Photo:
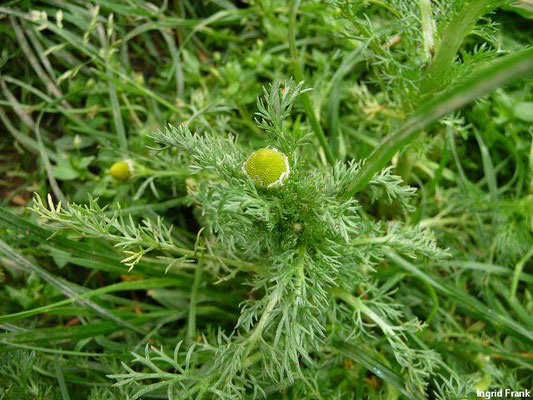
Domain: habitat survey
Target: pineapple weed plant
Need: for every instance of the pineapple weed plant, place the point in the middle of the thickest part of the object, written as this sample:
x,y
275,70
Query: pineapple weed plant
x,y
247,236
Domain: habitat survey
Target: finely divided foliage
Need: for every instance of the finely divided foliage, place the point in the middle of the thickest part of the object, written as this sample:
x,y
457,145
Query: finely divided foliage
x,y
303,237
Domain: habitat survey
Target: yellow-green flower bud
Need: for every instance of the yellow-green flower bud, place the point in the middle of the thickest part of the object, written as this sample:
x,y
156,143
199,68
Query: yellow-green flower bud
x,y
267,167
122,170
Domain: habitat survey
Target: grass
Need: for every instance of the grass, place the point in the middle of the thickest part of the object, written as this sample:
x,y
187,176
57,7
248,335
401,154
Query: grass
x,y
395,262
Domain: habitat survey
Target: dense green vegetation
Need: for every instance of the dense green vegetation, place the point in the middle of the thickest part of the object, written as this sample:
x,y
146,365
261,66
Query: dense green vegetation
x,y
383,251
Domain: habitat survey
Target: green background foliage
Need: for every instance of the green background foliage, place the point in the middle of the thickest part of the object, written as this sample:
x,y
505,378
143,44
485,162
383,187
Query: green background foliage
x,y
395,262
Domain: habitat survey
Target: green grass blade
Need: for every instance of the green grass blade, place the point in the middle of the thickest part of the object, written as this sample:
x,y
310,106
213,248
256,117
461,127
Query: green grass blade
x,y
61,379
65,287
466,301
298,74
382,371
144,284
507,69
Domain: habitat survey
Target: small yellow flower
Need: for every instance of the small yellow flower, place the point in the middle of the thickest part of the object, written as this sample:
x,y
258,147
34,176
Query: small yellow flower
x,y
122,170
267,167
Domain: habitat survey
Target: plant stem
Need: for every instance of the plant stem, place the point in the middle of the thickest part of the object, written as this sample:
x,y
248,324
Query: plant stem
x,y
461,24
274,299
505,70
434,308
258,331
306,100
428,27
371,240
358,305
191,322
161,174
244,265
517,270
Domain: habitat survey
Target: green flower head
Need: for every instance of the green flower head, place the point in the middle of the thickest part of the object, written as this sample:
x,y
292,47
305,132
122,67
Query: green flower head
x,y
122,170
267,167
